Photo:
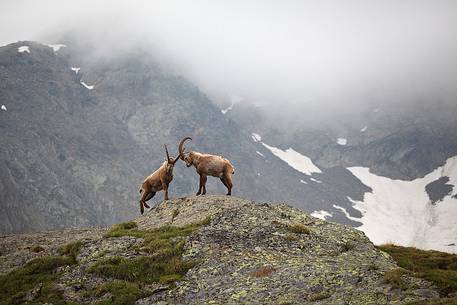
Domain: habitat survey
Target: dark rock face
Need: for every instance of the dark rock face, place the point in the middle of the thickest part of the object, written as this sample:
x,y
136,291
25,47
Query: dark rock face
x,y
75,157
256,253
438,189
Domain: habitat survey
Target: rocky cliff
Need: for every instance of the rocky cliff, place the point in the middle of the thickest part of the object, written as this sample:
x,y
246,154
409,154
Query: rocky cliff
x,y
206,250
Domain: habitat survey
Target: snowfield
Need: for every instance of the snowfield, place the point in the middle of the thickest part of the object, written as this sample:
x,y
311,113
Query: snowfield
x,y
400,212
295,160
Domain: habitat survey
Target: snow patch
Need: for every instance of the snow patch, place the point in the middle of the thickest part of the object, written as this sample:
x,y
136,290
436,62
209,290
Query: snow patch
x,y
341,141
364,129
401,212
4,108
256,137
23,49
87,86
76,69
303,181
321,214
295,160
56,47
260,154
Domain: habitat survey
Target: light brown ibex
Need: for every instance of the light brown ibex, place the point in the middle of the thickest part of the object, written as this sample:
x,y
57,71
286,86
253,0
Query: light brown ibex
x,y
208,165
157,181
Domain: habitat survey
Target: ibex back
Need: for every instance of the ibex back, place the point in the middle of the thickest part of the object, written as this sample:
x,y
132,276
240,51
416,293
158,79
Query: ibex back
x,y
208,165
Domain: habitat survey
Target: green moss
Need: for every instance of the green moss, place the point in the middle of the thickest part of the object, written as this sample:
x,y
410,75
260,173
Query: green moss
x,y
71,249
435,266
298,228
38,274
122,293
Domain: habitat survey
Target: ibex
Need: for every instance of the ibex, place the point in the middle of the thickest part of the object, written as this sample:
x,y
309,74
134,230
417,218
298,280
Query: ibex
x,y
208,165
157,181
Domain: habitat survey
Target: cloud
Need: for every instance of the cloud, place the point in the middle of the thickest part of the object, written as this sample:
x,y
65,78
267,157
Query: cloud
x,y
333,54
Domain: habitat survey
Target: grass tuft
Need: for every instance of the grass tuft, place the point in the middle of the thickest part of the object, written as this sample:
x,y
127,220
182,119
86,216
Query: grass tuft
x,y
121,293
164,264
435,266
39,274
394,278
71,249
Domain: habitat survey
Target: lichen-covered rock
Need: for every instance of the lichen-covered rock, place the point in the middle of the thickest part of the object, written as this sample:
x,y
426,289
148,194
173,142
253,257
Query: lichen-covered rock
x,y
248,253
329,264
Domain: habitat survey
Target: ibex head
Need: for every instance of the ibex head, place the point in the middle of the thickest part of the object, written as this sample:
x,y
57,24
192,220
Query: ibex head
x,y
170,162
186,157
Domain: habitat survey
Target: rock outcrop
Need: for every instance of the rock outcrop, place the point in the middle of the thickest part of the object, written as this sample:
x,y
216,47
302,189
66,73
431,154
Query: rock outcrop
x,y
231,251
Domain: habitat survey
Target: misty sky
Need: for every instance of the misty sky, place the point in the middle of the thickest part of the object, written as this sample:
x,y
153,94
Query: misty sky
x,y
321,52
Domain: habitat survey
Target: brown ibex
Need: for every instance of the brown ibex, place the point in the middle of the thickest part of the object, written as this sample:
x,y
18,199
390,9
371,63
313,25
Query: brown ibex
x,y
157,181
208,165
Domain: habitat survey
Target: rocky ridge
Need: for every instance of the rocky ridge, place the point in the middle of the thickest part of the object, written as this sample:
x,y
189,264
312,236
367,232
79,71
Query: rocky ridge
x,y
240,252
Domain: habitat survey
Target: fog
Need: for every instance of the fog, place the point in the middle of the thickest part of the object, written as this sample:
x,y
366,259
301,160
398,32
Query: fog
x,y
331,54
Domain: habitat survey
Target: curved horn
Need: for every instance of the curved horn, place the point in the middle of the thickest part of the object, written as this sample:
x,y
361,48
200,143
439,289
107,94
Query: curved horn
x,y
181,147
166,150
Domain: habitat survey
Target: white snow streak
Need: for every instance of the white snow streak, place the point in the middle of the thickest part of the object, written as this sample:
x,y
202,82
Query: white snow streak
x,y
4,108
259,153
321,214
23,49
341,141
364,129
87,86
303,181
401,212
345,213
315,180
